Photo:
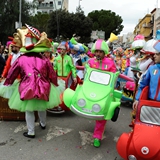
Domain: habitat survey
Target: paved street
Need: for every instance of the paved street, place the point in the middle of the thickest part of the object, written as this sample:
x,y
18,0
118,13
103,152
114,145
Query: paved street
x,y
67,137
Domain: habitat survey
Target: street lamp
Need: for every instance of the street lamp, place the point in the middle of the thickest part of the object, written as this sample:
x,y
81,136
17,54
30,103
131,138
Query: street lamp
x,y
20,11
62,3
58,19
79,4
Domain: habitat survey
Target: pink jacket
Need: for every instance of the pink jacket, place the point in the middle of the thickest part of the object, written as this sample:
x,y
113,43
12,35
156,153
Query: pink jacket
x,y
36,74
106,64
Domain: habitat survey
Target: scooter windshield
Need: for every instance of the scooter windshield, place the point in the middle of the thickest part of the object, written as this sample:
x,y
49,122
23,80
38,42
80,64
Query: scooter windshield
x,y
100,77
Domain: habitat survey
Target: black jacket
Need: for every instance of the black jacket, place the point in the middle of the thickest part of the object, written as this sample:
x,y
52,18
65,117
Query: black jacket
x,y
2,64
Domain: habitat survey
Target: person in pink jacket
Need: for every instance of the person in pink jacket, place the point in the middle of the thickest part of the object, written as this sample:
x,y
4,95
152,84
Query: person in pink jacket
x,y
100,61
38,87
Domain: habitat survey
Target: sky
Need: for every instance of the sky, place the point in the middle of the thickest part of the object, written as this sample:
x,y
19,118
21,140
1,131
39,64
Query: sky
x,y
129,10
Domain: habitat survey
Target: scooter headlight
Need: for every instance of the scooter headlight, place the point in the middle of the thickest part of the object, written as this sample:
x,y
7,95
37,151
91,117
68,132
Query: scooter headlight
x,y
132,157
96,108
81,102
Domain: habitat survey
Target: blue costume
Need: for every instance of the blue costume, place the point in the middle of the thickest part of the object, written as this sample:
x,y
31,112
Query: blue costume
x,y
151,79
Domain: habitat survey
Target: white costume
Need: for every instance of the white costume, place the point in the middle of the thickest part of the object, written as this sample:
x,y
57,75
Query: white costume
x,y
133,64
146,62
80,73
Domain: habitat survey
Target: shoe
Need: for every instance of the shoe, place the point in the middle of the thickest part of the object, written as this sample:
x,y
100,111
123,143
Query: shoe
x,y
57,110
27,135
96,143
43,127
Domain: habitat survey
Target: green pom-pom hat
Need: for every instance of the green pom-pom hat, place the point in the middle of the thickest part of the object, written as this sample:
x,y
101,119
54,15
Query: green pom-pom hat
x,y
100,45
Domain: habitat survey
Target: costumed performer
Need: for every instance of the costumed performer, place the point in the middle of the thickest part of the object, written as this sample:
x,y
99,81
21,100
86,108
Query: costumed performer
x,y
100,61
15,46
75,51
38,87
2,64
63,65
48,54
151,79
146,58
134,53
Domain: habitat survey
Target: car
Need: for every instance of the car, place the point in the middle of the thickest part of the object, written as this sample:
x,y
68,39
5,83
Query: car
x,y
142,143
97,97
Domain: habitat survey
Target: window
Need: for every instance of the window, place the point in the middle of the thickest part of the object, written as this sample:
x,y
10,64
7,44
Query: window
x,y
51,4
150,115
59,3
98,77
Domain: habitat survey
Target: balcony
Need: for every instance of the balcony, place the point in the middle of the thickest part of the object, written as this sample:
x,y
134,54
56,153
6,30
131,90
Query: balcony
x,y
45,6
149,36
149,25
151,22
137,30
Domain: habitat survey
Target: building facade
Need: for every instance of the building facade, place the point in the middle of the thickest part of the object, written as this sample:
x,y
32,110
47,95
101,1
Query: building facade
x,y
48,6
97,34
156,20
145,27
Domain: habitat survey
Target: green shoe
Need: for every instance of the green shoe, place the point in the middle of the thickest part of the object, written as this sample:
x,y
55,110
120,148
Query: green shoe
x,y
96,143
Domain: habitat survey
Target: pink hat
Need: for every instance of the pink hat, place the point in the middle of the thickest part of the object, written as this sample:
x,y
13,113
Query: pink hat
x,y
8,43
130,86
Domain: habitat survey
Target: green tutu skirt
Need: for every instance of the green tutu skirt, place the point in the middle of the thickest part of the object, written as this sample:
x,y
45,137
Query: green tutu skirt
x,y
7,91
36,104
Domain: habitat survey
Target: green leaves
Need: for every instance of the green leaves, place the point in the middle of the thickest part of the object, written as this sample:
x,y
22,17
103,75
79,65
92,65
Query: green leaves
x,y
107,21
69,24
9,14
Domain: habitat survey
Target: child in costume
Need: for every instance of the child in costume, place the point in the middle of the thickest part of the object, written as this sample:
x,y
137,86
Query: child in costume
x,y
151,79
141,142
100,49
38,88
75,53
118,54
127,63
147,57
78,53
63,65
145,60
134,53
119,61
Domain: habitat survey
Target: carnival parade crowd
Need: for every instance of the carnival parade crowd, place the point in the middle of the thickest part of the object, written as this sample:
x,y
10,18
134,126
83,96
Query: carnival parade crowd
x,y
34,71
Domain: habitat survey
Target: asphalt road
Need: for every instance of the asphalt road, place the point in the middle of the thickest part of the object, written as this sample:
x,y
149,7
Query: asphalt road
x,y
66,137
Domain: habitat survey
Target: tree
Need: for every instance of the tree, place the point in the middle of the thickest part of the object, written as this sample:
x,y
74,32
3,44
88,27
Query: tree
x,y
9,14
66,24
83,26
107,21
40,21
